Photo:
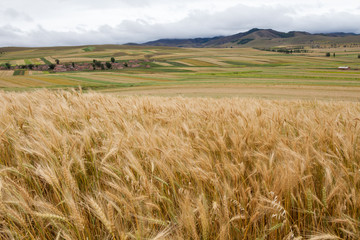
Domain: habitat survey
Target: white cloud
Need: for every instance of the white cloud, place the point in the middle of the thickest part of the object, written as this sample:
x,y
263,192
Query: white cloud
x,y
67,22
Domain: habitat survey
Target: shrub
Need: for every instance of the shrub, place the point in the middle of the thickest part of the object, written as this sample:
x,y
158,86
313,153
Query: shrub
x,y
108,65
98,64
327,54
112,60
52,66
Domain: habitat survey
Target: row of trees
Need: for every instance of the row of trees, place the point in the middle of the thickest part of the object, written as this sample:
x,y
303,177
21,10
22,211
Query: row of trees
x,y
95,64
108,65
329,54
98,64
285,50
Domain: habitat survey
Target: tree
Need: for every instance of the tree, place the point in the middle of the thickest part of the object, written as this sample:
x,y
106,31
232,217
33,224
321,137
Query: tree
x,y
112,60
125,64
8,65
102,66
30,66
52,66
97,64
57,61
333,54
108,65
328,54
358,55
73,64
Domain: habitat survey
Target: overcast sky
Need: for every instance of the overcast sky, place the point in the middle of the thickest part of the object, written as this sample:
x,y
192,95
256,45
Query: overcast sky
x,y
85,22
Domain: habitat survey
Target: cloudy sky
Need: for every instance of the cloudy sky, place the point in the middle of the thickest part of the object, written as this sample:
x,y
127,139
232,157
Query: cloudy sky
x,y
84,22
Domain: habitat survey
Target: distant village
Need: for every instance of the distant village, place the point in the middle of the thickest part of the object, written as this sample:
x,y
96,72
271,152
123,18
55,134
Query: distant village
x,y
85,66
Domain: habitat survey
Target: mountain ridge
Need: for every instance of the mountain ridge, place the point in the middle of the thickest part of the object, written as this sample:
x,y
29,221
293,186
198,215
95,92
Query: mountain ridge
x,y
258,38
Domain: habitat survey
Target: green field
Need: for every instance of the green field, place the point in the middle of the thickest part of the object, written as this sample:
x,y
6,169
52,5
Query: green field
x,y
195,72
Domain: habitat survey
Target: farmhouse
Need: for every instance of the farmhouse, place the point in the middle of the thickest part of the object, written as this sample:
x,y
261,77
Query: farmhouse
x,y
60,68
344,68
117,65
41,67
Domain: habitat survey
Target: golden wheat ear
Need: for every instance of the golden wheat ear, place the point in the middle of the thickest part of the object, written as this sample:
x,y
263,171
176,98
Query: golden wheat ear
x,y
76,165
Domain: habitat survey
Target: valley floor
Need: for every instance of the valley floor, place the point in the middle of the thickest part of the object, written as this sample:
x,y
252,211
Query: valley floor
x,y
243,72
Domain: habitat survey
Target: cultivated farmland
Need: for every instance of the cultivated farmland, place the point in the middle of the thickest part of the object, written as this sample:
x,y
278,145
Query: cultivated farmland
x,y
220,144
96,166
198,72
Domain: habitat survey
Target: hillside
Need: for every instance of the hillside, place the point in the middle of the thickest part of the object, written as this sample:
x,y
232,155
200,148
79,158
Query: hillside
x,y
261,38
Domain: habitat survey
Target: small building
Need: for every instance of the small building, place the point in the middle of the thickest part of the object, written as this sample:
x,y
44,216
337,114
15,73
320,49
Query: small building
x,y
344,68
60,68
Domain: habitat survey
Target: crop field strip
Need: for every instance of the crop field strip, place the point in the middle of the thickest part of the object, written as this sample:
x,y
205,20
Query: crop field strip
x,y
195,66
196,62
37,61
6,73
190,168
245,90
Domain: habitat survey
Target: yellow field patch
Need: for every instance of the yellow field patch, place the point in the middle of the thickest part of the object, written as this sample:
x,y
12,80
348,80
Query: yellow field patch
x,y
197,62
163,64
244,59
19,81
170,56
5,83
29,79
113,78
54,80
50,59
76,59
6,73
214,61
36,61
184,63
17,62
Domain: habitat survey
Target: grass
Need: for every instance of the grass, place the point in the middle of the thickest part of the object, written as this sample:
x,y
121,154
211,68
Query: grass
x,y
19,72
45,61
89,49
90,165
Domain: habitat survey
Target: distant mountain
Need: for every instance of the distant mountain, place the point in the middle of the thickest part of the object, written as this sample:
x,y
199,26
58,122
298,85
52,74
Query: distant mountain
x,y
259,38
193,42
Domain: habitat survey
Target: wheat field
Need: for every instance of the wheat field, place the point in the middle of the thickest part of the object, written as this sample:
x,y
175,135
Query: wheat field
x,y
79,165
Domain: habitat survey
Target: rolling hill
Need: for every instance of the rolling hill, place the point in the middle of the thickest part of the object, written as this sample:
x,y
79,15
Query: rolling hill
x,y
262,38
